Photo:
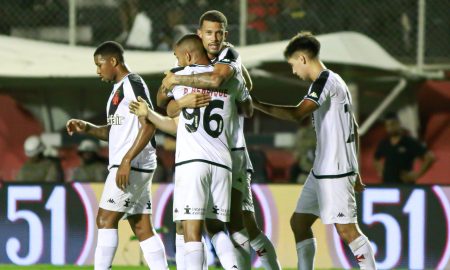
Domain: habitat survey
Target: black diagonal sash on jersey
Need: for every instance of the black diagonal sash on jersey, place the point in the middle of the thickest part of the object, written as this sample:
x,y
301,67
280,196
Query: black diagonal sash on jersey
x,y
115,101
318,86
139,91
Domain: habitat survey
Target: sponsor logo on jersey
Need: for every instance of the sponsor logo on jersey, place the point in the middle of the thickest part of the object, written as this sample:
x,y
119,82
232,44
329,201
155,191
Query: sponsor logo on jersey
x,y
115,120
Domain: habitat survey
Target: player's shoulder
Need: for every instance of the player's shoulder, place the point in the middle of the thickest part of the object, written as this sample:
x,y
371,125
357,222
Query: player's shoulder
x,y
177,70
228,54
135,78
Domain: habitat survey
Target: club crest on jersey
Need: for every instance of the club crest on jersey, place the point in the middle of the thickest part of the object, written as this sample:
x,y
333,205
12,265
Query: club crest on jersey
x,y
115,120
116,98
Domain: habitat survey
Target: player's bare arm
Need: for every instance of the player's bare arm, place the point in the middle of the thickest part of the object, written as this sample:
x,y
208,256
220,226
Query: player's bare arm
x,y
246,107
290,113
84,127
191,100
359,185
146,132
247,78
166,124
161,97
208,80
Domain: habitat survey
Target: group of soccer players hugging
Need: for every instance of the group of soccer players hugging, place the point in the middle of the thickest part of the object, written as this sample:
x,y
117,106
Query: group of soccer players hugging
x,y
206,98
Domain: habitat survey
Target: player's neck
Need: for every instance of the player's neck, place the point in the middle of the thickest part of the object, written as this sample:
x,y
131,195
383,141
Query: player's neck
x,y
122,73
316,68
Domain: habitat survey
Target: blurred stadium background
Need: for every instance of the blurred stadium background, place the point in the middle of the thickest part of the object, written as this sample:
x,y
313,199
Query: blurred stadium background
x,y
394,55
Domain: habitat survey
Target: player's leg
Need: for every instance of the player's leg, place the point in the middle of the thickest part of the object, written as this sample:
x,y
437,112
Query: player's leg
x,y
193,246
151,245
306,213
191,193
257,239
338,206
139,218
107,238
238,233
179,245
108,216
218,213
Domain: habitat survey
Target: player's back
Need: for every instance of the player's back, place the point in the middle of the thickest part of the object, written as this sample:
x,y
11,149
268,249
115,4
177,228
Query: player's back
x,y
334,125
205,134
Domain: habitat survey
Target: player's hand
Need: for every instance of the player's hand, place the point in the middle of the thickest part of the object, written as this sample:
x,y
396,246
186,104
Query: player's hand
x,y
169,81
139,107
122,176
359,185
409,177
194,100
76,126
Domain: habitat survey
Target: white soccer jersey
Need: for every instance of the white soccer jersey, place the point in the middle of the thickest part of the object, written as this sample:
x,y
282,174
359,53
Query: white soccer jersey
x,y
230,56
334,125
205,134
125,125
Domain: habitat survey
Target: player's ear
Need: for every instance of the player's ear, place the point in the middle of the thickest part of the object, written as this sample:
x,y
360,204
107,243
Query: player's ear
x,y
225,35
199,33
188,56
114,61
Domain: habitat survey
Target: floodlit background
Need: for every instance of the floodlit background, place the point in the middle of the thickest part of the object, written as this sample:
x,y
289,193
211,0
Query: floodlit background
x,y
394,56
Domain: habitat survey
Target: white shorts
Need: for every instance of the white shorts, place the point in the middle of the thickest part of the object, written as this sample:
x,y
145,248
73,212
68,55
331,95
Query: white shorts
x,y
136,199
331,199
202,190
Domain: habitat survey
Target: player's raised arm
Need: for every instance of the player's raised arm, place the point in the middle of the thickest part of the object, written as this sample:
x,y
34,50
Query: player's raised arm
x,y
291,113
84,127
191,100
166,124
209,80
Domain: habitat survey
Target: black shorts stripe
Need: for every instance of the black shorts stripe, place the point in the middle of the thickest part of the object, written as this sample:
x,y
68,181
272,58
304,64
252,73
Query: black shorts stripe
x,y
332,175
134,169
204,161
238,149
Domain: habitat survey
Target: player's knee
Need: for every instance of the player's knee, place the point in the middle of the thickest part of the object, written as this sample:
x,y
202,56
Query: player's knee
x,y
143,232
347,232
214,226
106,222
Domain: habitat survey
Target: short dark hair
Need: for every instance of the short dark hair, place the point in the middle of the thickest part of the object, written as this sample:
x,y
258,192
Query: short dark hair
x,y
303,41
189,37
111,48
213,16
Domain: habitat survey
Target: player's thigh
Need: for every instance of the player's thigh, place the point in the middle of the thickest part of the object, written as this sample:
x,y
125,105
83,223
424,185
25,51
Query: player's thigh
x,y
337,200
134,199
192,190
308,202
220,194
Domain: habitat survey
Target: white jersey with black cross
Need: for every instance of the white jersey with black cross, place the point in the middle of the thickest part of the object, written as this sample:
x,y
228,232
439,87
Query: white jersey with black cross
x,y
205,134
125,125
334,124
229,56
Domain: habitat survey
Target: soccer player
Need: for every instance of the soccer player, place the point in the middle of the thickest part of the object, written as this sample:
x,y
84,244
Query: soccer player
x,y
132,160
329,191
228,71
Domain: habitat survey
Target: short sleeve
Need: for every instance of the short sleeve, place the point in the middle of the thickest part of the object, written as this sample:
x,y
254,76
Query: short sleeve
x,y
317,91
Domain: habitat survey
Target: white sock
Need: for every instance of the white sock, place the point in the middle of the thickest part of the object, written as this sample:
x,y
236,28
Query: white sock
x,y
306,252
179,251
194,255
265,251
363,252
205,254
241,244
224,250
106,248
154,253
